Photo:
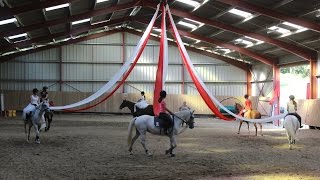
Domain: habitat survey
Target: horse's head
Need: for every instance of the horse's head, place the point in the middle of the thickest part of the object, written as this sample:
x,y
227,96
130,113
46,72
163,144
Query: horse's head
x,y
123,104
187,116
191,120
238,107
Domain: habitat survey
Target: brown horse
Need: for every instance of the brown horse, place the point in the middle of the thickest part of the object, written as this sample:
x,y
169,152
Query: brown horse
x,y
250,114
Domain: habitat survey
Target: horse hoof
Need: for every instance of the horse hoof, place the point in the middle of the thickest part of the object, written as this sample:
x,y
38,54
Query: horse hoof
x,y
131,153
167,152
173,155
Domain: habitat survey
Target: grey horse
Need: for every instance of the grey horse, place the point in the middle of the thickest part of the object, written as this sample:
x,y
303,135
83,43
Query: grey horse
x,y
35,120
145,123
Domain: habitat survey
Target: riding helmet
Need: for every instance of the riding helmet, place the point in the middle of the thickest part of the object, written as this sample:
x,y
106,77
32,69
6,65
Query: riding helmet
x,y
163,93
142,92
291,97
45,87
35,90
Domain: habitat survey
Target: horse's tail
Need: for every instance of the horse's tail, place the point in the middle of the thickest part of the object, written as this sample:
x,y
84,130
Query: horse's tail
x,y
130,128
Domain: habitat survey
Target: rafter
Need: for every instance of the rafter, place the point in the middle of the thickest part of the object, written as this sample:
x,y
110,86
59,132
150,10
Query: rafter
x,y
238,64
73,41
273,14
70,32
6,12
259,57
305,53
69,19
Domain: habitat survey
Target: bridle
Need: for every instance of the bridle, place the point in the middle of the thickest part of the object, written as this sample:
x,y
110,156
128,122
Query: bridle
x,y
183,120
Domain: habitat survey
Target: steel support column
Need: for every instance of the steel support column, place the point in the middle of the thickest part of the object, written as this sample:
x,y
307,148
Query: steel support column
x,y
313,80
276,92
249,85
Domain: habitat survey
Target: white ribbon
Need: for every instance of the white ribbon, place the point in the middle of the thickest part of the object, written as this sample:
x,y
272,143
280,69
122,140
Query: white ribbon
x,y
184,51
119,74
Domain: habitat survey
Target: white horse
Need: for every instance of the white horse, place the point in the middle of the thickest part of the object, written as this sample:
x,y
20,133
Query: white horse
x,y
291,124
35,121
145,123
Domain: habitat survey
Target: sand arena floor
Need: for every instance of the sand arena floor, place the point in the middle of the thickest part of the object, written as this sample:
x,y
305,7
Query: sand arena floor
x,y
91,146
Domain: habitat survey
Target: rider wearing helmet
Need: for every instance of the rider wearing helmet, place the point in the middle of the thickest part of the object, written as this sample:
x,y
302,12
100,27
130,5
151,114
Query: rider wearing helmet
x,y
163,111
292,108
44,94
34,101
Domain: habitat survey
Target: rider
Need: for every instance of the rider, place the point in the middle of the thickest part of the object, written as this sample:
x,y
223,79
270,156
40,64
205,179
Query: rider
x,y
34,101
184,106
141,103
247,105
44,98
292,108
163,111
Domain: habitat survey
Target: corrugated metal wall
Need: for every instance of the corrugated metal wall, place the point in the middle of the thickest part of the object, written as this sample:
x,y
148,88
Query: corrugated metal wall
x,y
263,80
86,66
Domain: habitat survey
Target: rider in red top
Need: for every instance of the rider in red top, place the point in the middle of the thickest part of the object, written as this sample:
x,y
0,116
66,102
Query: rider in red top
x,y
163,111
247,104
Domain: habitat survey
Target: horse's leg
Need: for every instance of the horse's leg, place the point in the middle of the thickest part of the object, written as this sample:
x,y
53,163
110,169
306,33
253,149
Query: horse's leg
x,y
25,129
30,125
173,145
255,125
261,129
248,126
241,121
133,140
143,142
37,133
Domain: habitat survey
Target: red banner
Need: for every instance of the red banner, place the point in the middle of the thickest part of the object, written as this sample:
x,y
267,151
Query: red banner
x,y
158,86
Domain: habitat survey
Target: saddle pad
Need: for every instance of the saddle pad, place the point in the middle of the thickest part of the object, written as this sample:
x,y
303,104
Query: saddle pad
x,y
157,122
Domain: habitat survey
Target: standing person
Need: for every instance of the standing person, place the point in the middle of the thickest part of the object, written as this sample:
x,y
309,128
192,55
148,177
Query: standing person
x,y
34,102
141,103
292,108
163,111
184,106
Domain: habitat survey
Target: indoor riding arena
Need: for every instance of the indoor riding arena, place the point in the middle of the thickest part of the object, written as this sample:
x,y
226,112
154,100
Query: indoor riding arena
x,y
159,89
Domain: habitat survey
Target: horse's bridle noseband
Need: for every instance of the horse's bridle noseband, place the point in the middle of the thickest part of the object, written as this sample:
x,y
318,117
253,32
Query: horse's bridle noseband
x,y
183,120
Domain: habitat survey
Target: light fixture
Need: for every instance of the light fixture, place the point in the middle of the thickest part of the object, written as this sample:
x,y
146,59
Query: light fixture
x,y
57,7
192,26
240,13
7,21
318,13
99,1
135,11
292,25
197,40
17,36
190,2
80,21
279,29
157,29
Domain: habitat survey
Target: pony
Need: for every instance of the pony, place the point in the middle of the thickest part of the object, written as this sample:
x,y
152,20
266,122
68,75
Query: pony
x,y
250,114
291,124
146,111
35,120
146,123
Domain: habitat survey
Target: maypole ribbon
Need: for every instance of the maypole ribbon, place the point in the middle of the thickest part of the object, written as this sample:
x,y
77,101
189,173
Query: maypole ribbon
x,y
204,92
133,59
162,63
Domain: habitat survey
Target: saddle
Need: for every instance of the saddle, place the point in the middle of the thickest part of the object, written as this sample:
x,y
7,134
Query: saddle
x,y
162,124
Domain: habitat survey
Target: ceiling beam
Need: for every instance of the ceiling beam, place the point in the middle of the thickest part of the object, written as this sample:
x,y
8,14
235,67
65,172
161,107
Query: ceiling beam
x,y
304,53
72,41
236,63
7,13
262,58
273,14
67,33
72,18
